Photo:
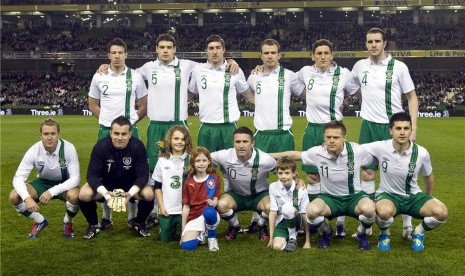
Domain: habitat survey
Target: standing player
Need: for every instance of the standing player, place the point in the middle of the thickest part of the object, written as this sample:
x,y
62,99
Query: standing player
x,y
339,162
217,89
168,78
117,162
118,92
246,169
273,87
286,202
57,164
401,160
115,94
169,176
383,81
199,199
324,85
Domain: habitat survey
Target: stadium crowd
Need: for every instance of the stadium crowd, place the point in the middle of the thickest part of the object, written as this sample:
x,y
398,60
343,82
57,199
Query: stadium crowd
x,y
66,90
240,37
69,89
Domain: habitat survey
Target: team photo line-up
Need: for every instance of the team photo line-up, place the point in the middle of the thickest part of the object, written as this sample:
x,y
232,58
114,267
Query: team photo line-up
x,y
169,182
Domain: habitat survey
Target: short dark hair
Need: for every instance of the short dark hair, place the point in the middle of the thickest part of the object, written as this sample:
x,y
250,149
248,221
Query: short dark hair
x,y
335,125
285,163
377,31
270,42
322,42
165,37
50,122
117,42
214,38
244,130
121,121
400,117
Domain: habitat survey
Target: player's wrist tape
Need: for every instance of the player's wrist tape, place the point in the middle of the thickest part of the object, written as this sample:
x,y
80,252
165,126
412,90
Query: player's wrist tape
x,y
134,190
102,190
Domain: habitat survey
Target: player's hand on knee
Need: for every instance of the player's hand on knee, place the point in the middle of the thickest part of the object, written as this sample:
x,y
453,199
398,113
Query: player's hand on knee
x,y
45,197
31,205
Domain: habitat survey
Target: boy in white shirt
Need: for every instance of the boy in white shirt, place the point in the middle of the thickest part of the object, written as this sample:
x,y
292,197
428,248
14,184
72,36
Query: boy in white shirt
x,y
286,202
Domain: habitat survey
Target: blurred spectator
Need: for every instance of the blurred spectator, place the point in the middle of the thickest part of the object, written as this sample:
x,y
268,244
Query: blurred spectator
x,y
65,90
37,37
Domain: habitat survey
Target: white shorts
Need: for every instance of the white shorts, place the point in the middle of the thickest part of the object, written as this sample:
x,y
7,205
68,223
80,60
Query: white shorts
x,y
198,224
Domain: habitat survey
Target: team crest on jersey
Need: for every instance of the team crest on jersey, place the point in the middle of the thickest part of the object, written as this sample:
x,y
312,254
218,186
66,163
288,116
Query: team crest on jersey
x,y
295,201
281,81
40,163
254,174
411,167
335,81
385,159
211,183
128,82
350,166
62,162
127,162
177,73
389,74
324,163
227,77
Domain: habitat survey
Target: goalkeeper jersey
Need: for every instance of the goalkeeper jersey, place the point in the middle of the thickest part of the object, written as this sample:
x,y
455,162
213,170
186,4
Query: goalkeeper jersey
x,y
118,168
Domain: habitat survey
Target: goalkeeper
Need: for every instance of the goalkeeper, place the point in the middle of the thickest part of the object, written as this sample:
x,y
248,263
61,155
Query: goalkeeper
x,y
117,173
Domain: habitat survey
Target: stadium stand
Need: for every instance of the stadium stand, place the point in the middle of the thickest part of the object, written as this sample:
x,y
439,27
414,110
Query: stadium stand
x,y
293,37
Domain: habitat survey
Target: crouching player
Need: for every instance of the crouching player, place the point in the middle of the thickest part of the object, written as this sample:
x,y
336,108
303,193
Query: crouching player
x,y
57,164
286,202
118,161
341,194
199,198
401,161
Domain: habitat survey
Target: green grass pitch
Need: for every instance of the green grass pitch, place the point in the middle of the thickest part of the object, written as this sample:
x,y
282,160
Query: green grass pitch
x,y
120,252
